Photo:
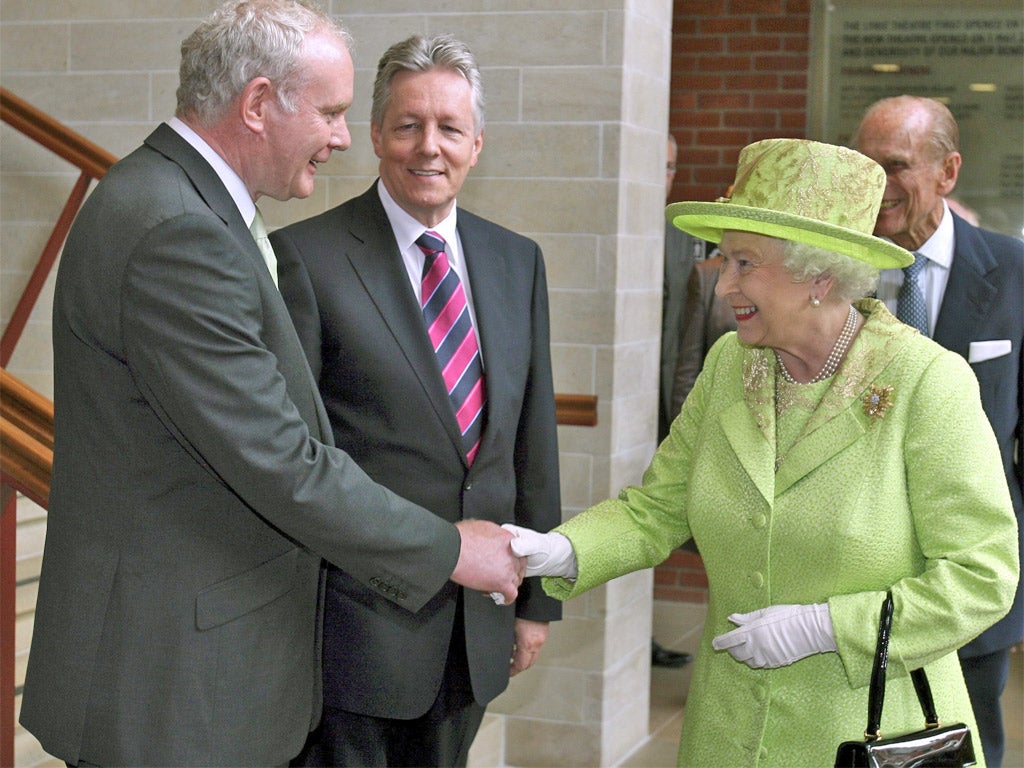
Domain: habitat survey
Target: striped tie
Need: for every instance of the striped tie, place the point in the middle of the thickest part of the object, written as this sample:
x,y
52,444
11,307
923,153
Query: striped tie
x,y
451,332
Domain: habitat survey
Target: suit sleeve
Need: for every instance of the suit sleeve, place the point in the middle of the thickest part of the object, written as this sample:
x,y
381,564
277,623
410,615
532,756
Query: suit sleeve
x,y
538,499
197,346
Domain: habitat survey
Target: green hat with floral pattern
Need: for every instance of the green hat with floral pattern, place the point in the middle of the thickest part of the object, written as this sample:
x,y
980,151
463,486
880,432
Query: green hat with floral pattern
x,y
801,190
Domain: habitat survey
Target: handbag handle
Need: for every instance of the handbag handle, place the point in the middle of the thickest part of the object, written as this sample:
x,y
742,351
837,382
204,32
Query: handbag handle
x,y
876,691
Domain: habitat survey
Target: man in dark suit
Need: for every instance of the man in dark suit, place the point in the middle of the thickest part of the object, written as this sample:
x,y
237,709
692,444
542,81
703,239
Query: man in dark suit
x,y
706,318
194,487
400,688
972,284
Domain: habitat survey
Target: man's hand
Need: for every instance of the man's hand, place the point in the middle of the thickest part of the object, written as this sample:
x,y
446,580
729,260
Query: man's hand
x,y
530,636
486,562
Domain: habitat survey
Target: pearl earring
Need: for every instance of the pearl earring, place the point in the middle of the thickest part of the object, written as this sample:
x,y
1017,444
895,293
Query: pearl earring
x,y
815,301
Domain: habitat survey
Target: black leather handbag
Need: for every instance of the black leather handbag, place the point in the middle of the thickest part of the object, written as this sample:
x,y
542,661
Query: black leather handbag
x,y
949,746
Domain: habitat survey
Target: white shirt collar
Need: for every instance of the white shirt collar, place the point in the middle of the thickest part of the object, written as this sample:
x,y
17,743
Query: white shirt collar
x,y
939,247
407,228
231,180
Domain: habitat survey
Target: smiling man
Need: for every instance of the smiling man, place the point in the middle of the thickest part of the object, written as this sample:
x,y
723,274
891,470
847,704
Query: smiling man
x,y
972,284
427,327
195,485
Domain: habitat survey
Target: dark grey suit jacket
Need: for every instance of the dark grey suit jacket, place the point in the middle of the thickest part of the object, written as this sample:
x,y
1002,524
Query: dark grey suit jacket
x,y
348,290
680,253
705,318
194,491
984,301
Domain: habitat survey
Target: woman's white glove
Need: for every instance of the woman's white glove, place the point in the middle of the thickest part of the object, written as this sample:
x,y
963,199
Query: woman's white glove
x,y
778,635
547,554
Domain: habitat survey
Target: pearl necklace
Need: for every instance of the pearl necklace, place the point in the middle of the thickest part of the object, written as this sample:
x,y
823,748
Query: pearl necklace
x,y
835,357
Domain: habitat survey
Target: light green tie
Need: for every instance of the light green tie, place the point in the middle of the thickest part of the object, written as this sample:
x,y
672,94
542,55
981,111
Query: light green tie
x,y
259,233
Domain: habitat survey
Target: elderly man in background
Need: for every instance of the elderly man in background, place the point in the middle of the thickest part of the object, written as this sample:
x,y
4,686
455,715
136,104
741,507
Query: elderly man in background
x,y
966,291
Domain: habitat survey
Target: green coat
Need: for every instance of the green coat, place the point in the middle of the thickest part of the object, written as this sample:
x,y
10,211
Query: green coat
x,y
912,498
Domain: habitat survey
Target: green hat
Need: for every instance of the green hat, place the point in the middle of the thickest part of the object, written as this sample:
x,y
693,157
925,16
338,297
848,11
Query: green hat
x,y
800,190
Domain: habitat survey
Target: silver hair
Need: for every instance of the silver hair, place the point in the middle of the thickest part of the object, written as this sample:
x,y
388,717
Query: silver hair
x,y
852,279
244,39
422,54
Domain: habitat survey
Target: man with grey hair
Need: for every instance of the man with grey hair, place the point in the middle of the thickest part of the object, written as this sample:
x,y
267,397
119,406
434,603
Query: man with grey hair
x,y
427,328
195,485
968,283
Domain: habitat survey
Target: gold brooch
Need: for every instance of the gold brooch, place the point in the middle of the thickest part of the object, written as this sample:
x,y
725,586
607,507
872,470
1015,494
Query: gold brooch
x,y
877,401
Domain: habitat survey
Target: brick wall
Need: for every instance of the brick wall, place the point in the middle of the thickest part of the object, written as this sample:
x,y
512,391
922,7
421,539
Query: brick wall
x,y
739,74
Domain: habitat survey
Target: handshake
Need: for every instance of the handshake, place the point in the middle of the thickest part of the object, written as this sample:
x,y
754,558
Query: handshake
x,y
496,560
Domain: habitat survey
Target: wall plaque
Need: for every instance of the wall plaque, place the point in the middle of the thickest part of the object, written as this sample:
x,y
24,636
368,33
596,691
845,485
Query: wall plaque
x,y
970,56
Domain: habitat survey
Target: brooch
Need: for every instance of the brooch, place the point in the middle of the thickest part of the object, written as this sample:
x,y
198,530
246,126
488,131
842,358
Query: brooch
x,y
877,401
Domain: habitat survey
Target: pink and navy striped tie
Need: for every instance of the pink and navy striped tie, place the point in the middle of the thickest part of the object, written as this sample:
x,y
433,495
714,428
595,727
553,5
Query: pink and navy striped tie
x,y
451,332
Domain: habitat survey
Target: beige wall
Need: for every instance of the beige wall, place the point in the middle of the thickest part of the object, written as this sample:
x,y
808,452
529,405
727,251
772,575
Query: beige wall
x,y
573,157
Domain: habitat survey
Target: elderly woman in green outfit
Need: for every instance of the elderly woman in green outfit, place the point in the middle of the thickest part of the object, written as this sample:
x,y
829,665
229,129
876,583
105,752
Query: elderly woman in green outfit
x,y
827,454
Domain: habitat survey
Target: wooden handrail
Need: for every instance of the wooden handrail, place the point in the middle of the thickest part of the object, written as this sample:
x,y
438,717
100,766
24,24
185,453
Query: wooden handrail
x,y
26,434
576,410
93,163
26,409
56,137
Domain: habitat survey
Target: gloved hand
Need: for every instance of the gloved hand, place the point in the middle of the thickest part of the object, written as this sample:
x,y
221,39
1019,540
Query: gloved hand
x,y
547,554
778,635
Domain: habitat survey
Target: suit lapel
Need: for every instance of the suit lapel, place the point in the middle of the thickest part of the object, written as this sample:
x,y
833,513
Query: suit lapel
x,y
374,257
207,183
211,189
969,292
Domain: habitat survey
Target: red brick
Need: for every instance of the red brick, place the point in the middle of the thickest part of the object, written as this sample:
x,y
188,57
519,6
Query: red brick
x,y
754,81
795,82
792,122
697,156
778,62
726,26
751,119
722,138
699,7
667,577
772,134
714,177
756,7
723,100
724,64
684,138
683,100
699,44
693,83
751,43
798,8
694,579
684,25
775,25
682,62
704,191
699,118
782,100
801,44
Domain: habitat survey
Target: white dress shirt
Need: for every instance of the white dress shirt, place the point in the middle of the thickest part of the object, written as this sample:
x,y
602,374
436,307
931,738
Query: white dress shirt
x,y
938,249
